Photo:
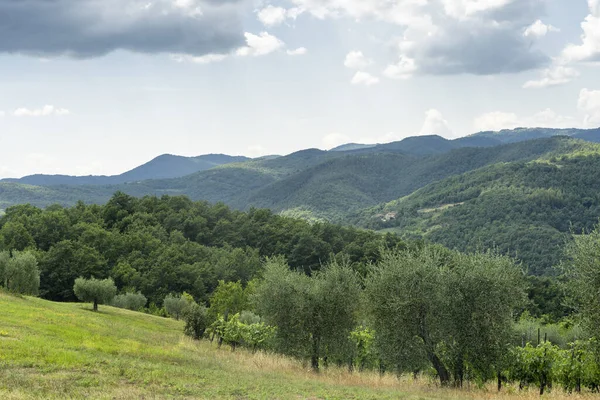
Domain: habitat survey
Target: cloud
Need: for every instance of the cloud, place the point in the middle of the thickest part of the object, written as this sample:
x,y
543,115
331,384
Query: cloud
x,y
442,37
557,75
256,150
273,16
589,49
259,45
589,102
45,111
403,69
205,59
497,120
297,52
335,139
2,114
364,78
435,124
356,60
539,29
92,28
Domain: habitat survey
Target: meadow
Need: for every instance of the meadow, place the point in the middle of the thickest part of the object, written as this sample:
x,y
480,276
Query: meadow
x,y
65,351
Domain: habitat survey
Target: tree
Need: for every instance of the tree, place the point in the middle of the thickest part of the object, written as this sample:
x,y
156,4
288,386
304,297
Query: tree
x,y
130,301
20,273
196,321
582,267
228,298
176,306
446,309
95,291
313,315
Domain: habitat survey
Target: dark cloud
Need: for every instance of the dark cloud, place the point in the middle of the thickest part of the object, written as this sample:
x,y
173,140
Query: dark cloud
x,y
485,50
91,28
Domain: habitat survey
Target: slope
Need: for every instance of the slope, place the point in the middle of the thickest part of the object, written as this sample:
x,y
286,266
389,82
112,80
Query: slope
x,y
339,186
62,350
523,208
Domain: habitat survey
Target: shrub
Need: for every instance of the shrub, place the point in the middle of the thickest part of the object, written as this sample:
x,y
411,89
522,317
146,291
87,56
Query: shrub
x,y
176,306
20,273
196,321
130,301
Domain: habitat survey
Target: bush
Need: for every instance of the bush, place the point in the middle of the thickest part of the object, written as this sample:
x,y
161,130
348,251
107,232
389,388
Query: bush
x,y
20,273
95,291
130,301
196,321
176,306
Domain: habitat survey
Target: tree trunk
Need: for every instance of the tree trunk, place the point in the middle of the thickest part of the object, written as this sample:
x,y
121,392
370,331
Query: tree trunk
x,y
95,305
499,380
314,359
440,368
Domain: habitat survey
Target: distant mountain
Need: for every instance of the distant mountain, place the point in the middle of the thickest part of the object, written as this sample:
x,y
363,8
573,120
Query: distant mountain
x,y
162,167
485,190
521,134
353,146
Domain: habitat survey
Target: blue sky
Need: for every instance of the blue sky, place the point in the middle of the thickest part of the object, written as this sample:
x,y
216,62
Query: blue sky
x,y
99,87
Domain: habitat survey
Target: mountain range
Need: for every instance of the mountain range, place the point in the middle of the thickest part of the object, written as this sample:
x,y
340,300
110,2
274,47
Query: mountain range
x,y
520,190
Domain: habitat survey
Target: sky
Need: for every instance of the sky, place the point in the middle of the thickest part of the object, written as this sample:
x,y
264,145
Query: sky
x,y
101,86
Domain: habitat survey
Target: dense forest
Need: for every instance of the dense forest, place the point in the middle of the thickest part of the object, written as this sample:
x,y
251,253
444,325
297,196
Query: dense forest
x,y
173,245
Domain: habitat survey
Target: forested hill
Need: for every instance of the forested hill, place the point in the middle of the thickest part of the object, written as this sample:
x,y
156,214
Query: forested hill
x,y
525,208
173,245
522,197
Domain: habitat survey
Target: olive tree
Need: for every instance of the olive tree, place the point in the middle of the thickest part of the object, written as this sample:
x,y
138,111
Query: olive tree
x,y
95,291
313,315
130,301
582,267
176,306
20,273
441,308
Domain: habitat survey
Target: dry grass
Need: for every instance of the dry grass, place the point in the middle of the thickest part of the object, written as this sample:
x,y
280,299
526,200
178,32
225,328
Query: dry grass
x,y
64,351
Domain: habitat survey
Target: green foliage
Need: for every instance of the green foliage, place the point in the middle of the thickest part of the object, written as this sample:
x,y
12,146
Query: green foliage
x,y
196,320
95,291
228,298
443,309
130,301
158,246
313,315
364,351
176,306
19,273
535,365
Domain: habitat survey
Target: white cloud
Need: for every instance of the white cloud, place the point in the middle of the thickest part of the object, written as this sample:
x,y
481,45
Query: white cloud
x,y
205,59
589,49
356,60
557,75
297,52
2,114
466,8
364,78
589,102
45,111
539,29
497,120
271,16
335,139
403,69
259,45
435,124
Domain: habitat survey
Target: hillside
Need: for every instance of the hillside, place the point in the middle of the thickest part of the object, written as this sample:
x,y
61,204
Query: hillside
x,y
524,208
162,167
63,350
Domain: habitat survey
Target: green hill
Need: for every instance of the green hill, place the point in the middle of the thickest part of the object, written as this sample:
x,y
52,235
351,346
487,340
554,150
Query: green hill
x,y
525,208
64,350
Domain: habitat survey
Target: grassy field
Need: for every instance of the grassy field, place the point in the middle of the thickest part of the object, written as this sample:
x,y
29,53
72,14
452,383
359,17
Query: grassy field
x,y
66,351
